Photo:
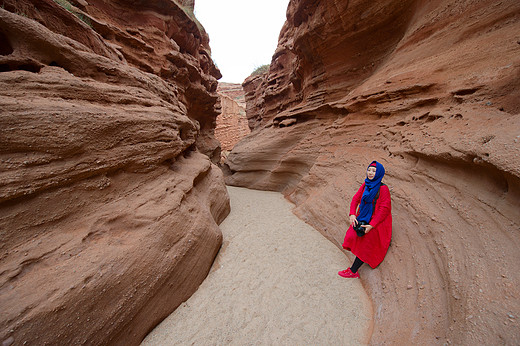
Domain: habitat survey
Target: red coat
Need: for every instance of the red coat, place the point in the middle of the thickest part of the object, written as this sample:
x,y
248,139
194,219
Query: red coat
x,y
372,247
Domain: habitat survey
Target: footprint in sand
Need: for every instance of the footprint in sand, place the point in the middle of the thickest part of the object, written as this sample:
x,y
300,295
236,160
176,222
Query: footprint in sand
x,y
274,282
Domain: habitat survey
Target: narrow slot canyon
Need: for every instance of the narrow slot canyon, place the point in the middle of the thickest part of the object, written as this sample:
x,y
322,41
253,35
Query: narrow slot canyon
x,y
125,154
264,290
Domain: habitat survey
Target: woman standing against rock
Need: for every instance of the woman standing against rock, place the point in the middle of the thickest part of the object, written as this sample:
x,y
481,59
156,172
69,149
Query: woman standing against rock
x,y
370,231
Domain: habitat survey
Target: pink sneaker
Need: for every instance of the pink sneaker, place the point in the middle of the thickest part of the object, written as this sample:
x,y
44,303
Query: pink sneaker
x,y
347,273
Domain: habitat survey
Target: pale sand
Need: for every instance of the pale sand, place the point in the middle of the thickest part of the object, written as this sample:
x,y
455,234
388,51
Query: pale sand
x,y
274,282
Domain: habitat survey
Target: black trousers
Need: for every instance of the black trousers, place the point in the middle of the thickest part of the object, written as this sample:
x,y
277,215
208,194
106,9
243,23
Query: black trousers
x,y
355,266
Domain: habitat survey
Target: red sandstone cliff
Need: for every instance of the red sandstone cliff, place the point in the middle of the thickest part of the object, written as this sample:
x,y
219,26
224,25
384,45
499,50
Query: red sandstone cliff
x,y
431,90
108,207
232,123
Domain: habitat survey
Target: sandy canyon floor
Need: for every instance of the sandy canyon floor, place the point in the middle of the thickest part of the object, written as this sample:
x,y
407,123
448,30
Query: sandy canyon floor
x,y
274,281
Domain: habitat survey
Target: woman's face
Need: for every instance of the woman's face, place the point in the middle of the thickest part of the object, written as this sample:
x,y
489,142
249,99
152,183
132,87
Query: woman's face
x,y
371,172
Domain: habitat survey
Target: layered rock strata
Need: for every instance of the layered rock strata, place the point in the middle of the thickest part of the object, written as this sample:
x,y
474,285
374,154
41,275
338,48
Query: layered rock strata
x,y
431,90
110,198
232,123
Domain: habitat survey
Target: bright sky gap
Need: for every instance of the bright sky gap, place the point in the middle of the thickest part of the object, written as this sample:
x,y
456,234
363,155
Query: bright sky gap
x,y
243,33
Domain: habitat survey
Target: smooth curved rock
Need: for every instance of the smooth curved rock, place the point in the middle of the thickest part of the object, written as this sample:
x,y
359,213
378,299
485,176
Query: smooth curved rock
x,y
109,209
431,90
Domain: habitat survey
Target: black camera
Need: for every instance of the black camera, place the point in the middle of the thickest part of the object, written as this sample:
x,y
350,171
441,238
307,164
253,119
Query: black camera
x,y
360,231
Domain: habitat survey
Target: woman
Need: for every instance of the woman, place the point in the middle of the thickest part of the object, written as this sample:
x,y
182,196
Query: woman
x,y
371,245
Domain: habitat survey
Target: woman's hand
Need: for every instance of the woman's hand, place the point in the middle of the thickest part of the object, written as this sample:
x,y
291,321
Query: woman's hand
x,y
353,220
367,228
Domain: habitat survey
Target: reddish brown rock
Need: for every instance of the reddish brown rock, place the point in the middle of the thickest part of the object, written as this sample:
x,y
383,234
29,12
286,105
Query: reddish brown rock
x,y
431,90
109,209
232,121
190,4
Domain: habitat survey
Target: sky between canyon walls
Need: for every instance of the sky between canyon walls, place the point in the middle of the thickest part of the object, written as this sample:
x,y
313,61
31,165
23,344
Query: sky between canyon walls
x,y
243,33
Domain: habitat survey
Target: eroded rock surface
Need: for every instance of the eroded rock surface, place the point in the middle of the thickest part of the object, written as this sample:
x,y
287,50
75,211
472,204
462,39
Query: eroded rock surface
x,y
109,195
432,91
232,123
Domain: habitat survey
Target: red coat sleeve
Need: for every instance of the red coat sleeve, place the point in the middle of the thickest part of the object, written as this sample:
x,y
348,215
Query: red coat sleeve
x,y
356,200
383,206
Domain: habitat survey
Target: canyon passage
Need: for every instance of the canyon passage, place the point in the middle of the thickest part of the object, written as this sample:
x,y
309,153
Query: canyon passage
x,y
273,282
113,185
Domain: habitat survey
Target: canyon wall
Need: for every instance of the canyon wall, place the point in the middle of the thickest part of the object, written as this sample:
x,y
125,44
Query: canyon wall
x,y
431,89
232,123
110,198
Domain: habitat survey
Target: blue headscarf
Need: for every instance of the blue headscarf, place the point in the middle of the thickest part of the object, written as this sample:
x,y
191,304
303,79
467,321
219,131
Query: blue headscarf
x,y
370,192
